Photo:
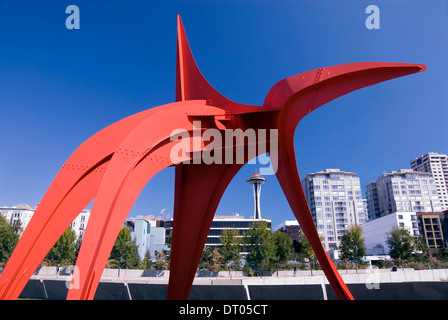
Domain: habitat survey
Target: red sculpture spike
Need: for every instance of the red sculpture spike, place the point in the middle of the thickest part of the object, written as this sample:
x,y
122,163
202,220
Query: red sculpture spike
x,y
190,83
115,164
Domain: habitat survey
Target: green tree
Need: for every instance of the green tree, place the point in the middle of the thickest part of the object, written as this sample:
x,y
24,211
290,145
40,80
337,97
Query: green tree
x,y
352,245
147,263
125,251
421,246
161,262
261,244
284,249
231,248
64,250
306,251
9,237
168,241
211,260
401,244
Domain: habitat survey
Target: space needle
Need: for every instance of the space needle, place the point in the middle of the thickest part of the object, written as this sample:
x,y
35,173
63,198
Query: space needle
x,y
256,181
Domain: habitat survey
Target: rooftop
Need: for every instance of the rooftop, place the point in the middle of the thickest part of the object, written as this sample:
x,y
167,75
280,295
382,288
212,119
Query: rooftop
x,y
331,171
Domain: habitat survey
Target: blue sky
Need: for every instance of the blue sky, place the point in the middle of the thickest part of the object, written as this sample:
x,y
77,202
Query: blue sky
x,y
58,86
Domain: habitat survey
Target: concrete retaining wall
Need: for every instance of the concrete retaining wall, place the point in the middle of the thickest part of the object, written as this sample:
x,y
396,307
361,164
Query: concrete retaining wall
x,y
370,284
423,290
385,275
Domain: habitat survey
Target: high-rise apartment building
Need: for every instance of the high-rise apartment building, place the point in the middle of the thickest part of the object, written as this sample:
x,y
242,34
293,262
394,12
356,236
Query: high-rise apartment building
x,y
437,164
402,191
335,200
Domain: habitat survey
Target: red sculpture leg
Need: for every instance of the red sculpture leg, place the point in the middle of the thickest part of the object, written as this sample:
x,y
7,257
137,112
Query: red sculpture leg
x,y
40,236
289,180
299,96
148,146
71,191
198,191
102,230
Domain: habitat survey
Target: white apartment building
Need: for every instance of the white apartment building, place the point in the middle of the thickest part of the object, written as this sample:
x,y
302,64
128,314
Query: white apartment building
x,y
375,231
21,213
402,191
335,200
437,165
24,213
79,225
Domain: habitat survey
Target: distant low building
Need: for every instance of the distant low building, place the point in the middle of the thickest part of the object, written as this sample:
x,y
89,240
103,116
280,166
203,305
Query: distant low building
x,y
375,231
219,224
147,235
292,229
434,229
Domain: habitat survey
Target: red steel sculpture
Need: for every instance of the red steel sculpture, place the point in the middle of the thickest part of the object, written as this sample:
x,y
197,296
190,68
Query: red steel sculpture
x,y
113,166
